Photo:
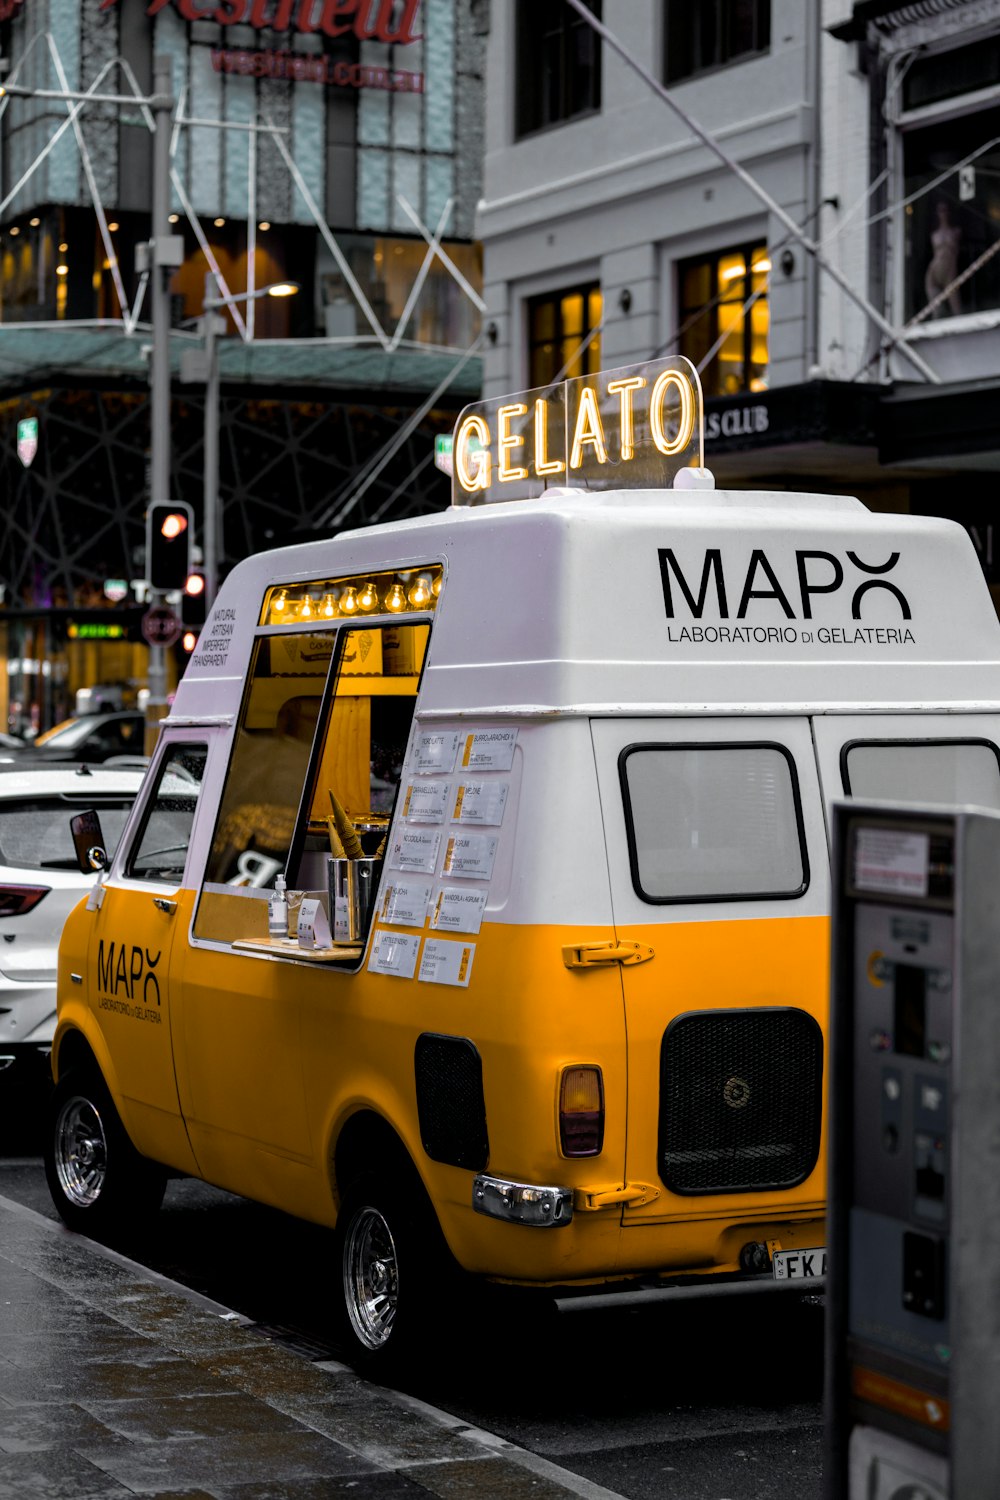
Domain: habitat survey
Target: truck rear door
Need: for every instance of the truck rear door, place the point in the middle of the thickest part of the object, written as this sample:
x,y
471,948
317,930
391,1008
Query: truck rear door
x,y
921,758
718,863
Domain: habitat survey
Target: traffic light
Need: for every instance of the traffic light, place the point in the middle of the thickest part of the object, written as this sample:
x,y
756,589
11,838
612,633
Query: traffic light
x,y
193,604
169,528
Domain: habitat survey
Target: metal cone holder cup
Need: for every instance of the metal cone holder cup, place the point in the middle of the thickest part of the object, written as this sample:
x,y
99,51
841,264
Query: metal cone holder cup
x,y
353,883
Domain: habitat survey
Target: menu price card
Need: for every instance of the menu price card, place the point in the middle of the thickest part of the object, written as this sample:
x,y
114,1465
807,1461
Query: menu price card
x,y
405,902
458,910
415,850
470,855
446,963
394,953
435,751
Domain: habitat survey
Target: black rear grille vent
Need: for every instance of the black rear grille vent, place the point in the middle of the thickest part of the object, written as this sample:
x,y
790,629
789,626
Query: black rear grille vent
x,y
740,1100
450,1103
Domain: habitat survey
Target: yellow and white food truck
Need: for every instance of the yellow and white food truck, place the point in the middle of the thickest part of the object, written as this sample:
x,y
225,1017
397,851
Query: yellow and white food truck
x,y
547,780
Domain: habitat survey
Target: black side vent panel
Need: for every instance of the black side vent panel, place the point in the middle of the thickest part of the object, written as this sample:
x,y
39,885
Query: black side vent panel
x,y
740,1100
450,1103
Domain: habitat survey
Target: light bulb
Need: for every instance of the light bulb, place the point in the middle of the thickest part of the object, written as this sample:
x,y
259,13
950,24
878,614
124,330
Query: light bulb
x,y
349,601
436,585
306,608
329,606
420,593
395,599
368,597
278,606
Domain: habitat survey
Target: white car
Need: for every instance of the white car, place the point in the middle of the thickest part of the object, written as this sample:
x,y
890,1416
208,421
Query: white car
x,y
40,883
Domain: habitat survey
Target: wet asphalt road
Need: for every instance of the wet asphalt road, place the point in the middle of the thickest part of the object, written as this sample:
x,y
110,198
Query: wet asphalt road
x,y
694,1401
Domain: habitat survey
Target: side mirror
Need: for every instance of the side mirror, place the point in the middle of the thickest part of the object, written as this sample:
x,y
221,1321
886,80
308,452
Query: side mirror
x,y
88,842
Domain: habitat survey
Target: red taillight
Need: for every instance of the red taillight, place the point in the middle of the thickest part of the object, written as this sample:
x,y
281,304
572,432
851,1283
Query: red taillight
x,y
15,900
581,1112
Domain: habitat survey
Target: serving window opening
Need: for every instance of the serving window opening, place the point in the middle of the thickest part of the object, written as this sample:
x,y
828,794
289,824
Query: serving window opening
x,y
313,776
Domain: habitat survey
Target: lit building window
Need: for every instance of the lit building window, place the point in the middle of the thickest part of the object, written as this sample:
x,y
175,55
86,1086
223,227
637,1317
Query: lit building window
x,y
719,332
711,33
564,341
558,64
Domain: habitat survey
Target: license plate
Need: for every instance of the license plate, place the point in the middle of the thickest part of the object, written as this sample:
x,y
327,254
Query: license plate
x,y
799,1265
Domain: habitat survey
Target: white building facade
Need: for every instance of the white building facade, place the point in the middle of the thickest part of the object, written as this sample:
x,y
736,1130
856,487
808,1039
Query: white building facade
x,y
798,281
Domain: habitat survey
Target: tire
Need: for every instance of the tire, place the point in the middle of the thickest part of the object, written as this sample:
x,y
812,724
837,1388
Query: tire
x,y
395,1270
99,1183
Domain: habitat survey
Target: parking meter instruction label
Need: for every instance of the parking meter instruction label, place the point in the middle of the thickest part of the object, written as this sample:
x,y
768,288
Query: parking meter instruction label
x,y
435,752
891,862
446,963
480,802
415,850
405,902
426,801
458,910
470,855
394,953
489,750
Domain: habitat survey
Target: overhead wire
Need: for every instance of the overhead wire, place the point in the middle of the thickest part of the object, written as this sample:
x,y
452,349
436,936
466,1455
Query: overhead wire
x,y
749,181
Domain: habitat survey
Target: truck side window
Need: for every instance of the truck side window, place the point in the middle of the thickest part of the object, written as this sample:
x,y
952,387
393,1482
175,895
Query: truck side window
x,y
315,766
160,851
713,822
952,771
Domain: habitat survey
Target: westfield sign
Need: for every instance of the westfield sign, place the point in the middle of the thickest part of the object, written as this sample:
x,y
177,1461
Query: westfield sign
x,y
369,20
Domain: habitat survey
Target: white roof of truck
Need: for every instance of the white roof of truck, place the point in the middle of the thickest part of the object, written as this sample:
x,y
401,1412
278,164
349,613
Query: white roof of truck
x,y
643,601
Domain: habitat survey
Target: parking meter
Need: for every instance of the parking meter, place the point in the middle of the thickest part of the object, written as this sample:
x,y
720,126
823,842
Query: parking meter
x,y
913,1284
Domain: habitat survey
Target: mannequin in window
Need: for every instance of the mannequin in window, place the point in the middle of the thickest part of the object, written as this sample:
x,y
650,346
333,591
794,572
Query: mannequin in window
x,y
943,267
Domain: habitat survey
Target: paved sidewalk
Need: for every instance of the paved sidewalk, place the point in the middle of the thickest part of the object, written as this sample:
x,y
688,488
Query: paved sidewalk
x,y
116,1382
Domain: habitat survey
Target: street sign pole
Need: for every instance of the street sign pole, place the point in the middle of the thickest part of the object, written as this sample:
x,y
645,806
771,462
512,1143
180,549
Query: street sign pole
x,y
159,368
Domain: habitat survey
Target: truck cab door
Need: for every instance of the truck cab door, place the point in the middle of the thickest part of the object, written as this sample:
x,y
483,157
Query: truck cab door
x,y
143,904
720,885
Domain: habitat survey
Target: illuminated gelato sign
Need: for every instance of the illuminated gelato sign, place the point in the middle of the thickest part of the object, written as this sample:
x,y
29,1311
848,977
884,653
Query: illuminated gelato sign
x,y
629,428
368,20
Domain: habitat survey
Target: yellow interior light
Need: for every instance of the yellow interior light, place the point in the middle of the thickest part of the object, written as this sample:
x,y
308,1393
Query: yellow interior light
x,y
436,583
324,601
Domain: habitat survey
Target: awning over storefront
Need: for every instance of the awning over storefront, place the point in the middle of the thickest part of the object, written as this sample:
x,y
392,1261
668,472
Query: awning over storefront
x,y
824,428
34,354
954,426
852,434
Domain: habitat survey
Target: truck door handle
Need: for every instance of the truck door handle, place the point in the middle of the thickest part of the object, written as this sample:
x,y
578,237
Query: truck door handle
x,y
632,1195
163,904
591,955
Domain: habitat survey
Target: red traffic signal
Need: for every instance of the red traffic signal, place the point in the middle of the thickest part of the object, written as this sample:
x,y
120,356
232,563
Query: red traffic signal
x,y
169,528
